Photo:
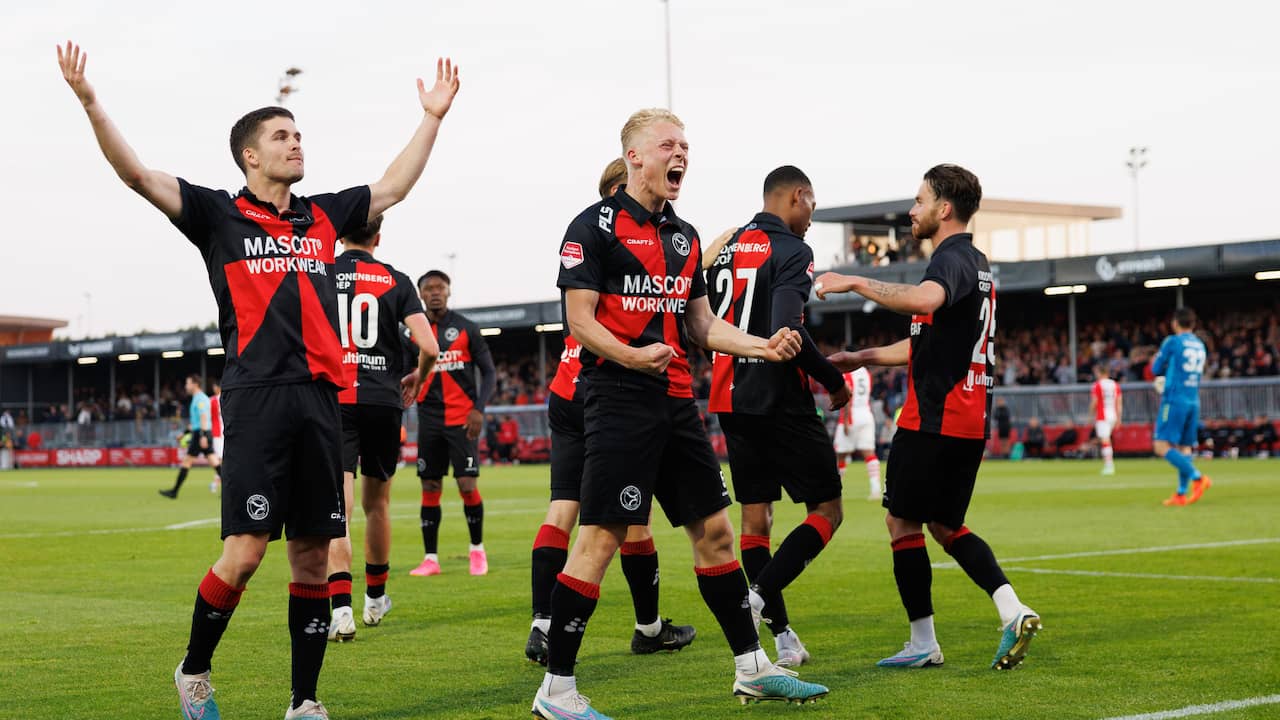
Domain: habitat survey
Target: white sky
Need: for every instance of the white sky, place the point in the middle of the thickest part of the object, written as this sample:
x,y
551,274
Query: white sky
x,y
1042,101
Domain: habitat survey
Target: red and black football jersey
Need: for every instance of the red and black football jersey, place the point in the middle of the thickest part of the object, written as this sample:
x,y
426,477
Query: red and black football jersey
x,y
952,361
763,262
646,267
565,383
373,299
272,276
450,391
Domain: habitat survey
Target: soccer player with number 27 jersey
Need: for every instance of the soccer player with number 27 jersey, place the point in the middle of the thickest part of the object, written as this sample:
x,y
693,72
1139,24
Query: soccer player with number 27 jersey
x,y
942,429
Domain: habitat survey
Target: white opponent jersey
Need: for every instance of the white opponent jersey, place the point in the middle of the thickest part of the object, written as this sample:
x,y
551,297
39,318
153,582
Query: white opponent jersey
x,y
860,382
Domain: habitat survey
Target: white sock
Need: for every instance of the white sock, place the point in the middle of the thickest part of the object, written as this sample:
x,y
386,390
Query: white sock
x,y
650,629
543,624
478,547
751,663
431,556
922,636
1007,603
556,684
873,474
1107,455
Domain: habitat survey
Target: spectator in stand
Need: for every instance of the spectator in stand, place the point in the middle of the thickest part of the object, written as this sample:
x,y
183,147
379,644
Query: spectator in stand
x,y
508,438
1033,438
1263,438
6,422
1004,427
491,427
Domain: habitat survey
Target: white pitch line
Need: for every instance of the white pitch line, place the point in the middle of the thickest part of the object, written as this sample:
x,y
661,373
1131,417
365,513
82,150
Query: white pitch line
x,y
1125,551
1144,576
1203,709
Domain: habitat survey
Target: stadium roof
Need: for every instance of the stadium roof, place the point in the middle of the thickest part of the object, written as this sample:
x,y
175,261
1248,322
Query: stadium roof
x,y
891,211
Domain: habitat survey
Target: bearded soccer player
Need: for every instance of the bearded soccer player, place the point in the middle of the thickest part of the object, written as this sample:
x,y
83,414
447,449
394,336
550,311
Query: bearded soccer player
x,y
373,300
943,427
201,442
551,546
269,259
760,282
634,297
450,418
1105,405
1177,367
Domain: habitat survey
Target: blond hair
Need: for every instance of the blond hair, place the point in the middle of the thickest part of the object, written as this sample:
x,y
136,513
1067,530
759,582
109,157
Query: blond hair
x,y
615,173
641,120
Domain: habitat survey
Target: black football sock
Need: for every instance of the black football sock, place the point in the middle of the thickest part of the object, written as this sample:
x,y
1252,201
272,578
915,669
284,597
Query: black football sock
x,y
215,602
375,579
340,589
974,555
724,590
914,575
473,509
755,557
309,633
640,566
795,553
572,603
430,516
550,550
182,477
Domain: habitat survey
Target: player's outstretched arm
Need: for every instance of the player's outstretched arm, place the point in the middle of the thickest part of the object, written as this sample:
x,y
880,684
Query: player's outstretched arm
x,y
580,310
160,189
884,356
713,333
408,165
899,297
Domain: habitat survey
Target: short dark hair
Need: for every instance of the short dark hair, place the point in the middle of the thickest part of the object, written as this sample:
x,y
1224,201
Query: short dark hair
x,y
434,274
1185,317
364,236
787,176
193,378
245,131
958,187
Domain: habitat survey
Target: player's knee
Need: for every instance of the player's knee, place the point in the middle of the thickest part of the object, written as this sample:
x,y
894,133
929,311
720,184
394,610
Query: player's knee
x,y
831,511
563,514
716,538
431,484
757,519
467,483
941,533
638,533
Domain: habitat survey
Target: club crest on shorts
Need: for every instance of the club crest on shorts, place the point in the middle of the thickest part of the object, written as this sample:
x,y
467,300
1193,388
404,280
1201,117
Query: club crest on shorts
x,y
680,243
257,507
571,255
451,334
630,497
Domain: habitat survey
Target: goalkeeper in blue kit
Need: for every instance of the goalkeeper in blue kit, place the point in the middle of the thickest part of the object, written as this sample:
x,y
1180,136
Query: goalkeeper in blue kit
x,y
1178,367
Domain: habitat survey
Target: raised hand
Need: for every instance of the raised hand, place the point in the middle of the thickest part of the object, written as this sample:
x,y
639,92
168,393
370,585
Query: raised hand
x,y
439,98
829,282
72,61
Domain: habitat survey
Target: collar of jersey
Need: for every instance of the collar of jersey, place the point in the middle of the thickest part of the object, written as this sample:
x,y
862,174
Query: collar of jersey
x,y
296,206
958,237
773,222
641,214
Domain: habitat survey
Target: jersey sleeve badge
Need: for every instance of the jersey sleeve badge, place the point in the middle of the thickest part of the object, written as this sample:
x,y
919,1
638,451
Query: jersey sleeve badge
x,y
571,255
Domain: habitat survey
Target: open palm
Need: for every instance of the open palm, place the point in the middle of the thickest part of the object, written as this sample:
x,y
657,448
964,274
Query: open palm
x,y
72,62
439,98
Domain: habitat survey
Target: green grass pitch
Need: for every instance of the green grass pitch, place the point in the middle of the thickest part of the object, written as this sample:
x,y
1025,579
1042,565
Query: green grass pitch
x,y
99,575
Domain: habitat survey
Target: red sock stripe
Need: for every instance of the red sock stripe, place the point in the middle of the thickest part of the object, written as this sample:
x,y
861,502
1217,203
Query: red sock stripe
x,y
582,587
822,525
339,587
746,542
375,580
551,536
954,537
310,592
872,459
430,499
470,498
909,542
640,547
725,569
218,593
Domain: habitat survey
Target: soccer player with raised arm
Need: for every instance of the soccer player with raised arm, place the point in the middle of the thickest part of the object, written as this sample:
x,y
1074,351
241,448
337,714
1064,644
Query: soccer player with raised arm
x,y
1105,405
1178,366
269,257
551,545
635,298
373,300
942,429
201,442
760,282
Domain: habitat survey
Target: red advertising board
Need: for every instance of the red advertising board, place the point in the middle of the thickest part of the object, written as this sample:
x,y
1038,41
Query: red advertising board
x,y
97,457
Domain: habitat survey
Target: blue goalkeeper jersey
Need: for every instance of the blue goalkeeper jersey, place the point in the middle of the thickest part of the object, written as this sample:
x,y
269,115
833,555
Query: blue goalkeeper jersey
x,y
199,408
1181,361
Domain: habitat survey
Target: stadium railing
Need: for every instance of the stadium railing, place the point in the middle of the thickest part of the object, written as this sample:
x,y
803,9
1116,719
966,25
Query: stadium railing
x,y
1069,404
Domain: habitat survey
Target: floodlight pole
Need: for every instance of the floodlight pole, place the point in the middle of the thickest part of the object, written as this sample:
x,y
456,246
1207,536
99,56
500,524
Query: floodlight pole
x,y
666,11
1137,160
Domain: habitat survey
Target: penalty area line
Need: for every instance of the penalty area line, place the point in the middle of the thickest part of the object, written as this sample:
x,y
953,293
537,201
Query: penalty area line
x,y
1209,709
1142,576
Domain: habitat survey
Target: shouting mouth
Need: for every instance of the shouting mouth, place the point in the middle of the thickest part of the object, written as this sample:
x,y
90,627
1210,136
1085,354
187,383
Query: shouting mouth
x,y
675,176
